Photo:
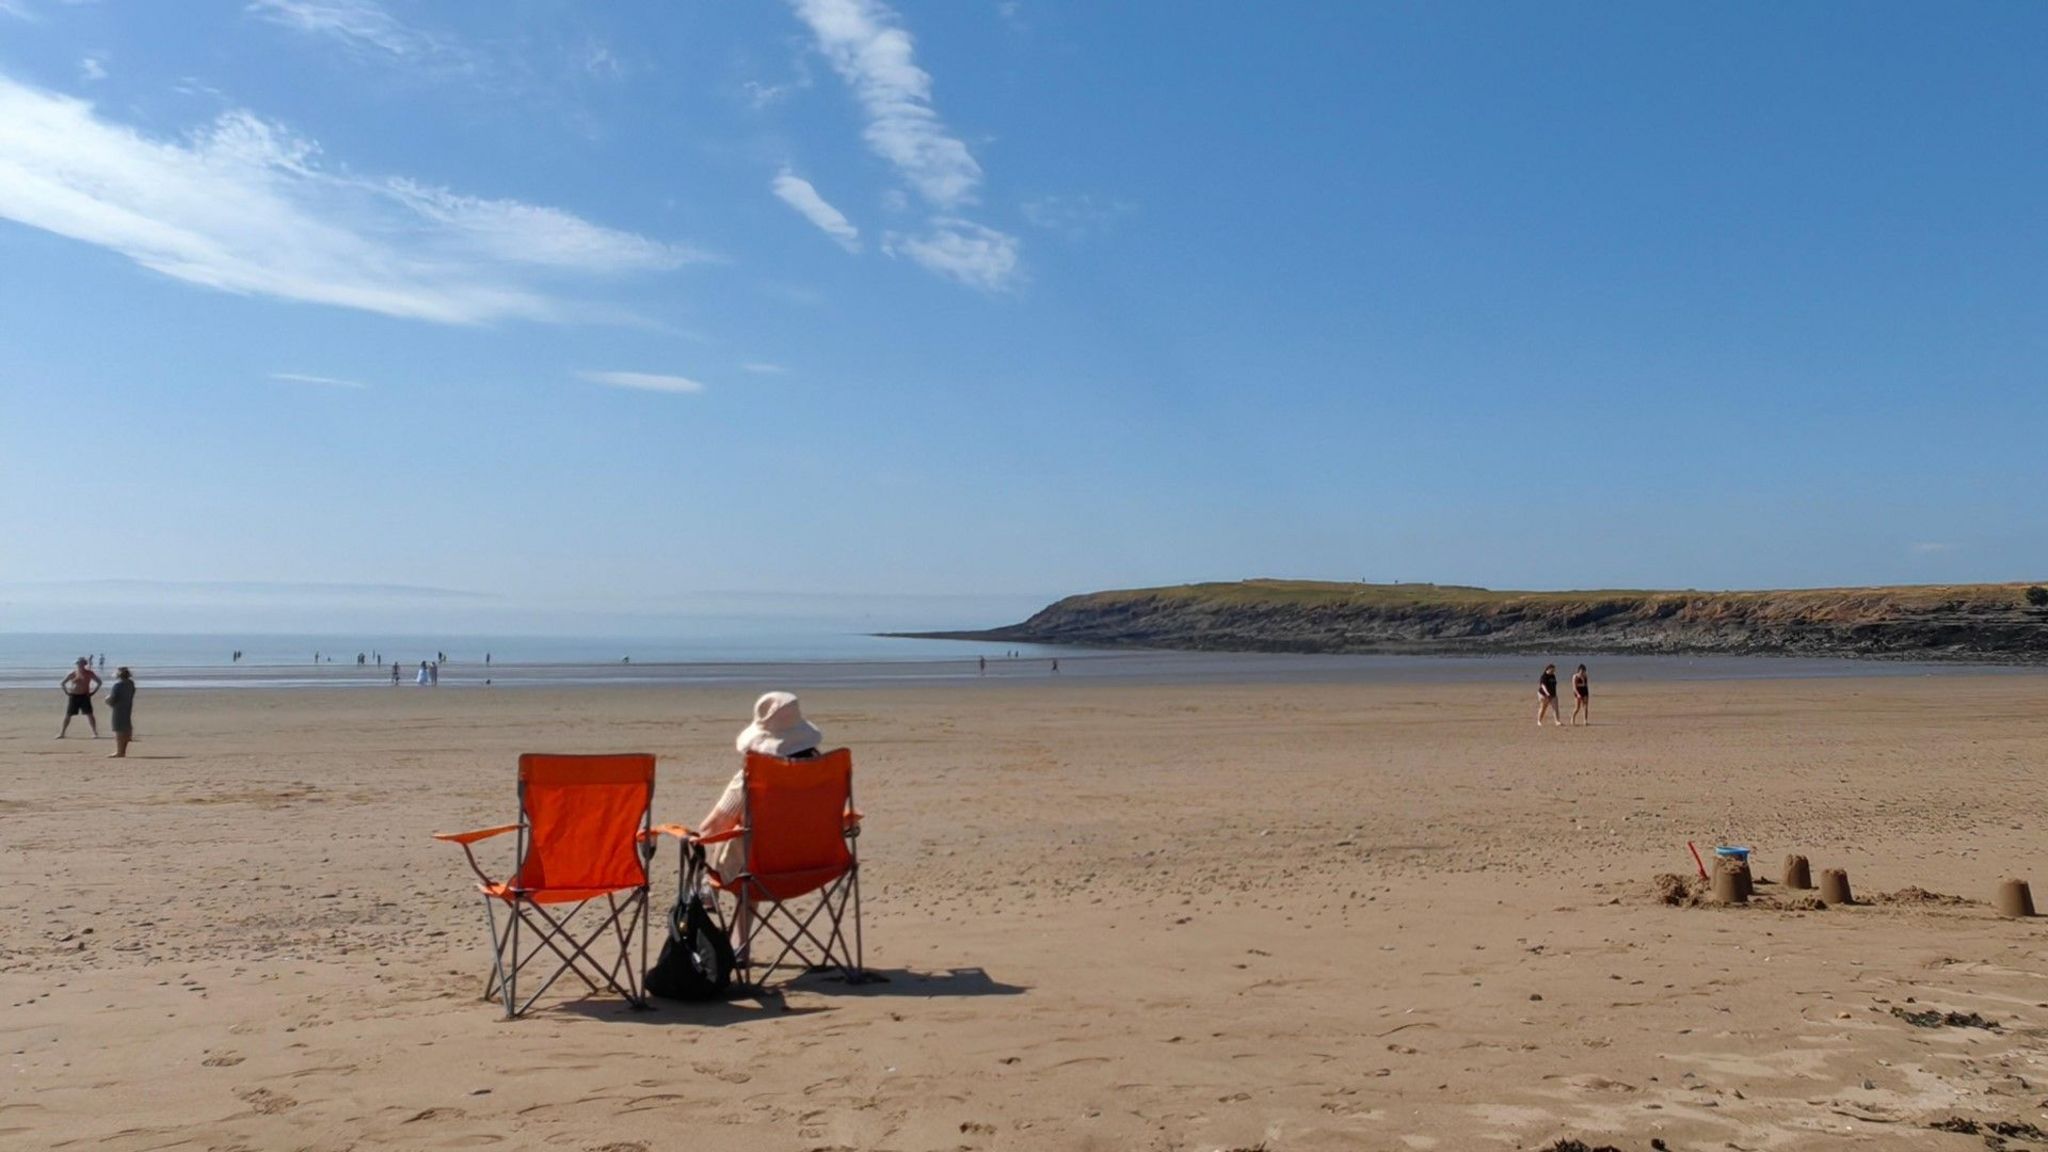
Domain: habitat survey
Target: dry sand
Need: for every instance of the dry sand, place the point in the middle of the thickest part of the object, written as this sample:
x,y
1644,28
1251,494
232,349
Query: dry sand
x,y
1111,917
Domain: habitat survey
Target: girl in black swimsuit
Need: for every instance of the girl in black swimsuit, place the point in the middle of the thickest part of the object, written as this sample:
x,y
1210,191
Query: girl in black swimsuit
x,y
1582,704
1546,696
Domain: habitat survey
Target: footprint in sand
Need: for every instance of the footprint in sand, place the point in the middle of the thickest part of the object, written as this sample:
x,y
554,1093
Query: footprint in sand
x,y
728,1075
436,1114
266,1102
224,1060
620,1146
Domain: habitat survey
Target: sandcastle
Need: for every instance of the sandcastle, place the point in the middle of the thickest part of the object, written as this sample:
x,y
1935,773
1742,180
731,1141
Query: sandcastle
x,y
1834,887
2015,898
1798,875
1732,882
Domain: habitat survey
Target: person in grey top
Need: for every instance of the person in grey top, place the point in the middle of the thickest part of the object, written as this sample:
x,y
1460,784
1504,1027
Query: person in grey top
x,y
121,701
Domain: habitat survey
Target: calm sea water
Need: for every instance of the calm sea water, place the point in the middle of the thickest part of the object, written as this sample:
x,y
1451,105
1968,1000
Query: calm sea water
x,y
799,659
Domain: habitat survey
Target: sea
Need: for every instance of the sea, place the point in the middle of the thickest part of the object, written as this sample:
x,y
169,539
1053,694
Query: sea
x,y
760,658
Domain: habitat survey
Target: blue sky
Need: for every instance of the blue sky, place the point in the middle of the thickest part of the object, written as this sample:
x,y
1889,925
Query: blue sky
x,y
602,305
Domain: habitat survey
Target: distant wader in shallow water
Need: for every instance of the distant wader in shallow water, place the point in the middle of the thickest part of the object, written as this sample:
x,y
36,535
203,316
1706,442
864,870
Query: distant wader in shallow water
x,y
1582,697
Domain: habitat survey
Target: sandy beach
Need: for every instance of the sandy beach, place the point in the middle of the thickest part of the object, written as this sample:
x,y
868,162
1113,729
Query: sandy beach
x,y
1110,917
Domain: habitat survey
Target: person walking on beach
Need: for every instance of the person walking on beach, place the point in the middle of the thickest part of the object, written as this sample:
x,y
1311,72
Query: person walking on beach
x,y
434,673
1582,698
420,681
78,689
1546,696
121,702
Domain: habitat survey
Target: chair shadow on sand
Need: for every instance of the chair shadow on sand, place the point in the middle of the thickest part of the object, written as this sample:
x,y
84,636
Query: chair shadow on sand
x,y
750,1005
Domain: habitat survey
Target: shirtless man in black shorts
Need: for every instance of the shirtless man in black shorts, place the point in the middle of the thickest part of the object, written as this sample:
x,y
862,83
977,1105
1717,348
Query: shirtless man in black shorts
x,y
78,689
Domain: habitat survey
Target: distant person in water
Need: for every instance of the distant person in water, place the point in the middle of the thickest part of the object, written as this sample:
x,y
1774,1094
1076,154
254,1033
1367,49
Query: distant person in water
x,y
421,679
1582,698
434,673
1055,667
984,664
121,702
1546,696
78,689
394,672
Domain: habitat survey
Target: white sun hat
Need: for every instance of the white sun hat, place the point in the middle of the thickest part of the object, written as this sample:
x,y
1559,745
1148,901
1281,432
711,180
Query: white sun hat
x,y
779,727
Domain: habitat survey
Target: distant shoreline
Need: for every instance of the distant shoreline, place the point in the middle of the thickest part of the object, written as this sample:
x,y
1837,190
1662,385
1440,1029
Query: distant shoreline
x,y
1078,668
1973,624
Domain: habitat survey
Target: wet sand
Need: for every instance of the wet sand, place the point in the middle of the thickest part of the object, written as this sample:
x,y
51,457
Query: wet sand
x,y
1113,916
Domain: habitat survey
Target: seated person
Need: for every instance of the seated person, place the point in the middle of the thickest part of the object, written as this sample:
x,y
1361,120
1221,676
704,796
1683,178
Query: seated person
x,y
779,729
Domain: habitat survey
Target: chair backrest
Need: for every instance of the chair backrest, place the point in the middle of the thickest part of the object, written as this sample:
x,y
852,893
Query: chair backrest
x,y
796,816
583,815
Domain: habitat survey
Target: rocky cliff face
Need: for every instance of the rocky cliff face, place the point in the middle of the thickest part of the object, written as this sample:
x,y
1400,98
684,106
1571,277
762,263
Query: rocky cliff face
x,y
1976,622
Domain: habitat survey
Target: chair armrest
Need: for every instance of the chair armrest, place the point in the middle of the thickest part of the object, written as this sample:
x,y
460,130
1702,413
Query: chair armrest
x,y
679,831
721,837
472,837
852,818
468,838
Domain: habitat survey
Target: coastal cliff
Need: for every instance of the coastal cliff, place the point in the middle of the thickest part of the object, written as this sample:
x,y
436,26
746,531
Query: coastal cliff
x,y
1991,622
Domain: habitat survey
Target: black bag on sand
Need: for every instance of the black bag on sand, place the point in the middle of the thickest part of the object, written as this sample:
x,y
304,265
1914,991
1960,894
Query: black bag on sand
x,y
696,960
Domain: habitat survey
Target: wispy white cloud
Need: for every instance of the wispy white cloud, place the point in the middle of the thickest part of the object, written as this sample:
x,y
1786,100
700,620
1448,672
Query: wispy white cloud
x,y
763,368
363,25
598,60
866,43
961,250
18,9
644,381
534,234
245,206
798,193
324,381
873,53
1075,216
92,68
766,95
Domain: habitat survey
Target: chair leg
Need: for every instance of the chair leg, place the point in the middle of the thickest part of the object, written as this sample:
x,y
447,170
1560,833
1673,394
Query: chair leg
x,y
749,926
640,984
511,984
859,957
494,983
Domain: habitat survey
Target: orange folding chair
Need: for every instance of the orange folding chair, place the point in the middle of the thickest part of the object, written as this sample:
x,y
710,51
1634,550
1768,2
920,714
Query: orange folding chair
x,y
797,838
584,834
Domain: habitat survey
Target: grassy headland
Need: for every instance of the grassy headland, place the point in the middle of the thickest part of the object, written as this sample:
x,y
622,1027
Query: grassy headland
x,y
1948,621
